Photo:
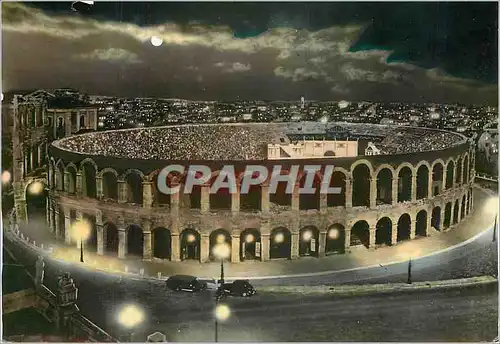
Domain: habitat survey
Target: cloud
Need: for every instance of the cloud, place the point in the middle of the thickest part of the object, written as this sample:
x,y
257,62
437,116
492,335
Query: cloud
x,y
234,67
111,54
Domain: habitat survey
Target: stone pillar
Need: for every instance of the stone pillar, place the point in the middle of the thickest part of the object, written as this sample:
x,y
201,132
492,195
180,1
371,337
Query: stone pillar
x,y
373,233
175,247
443,178
205,248
205,199
66,181
99,187
56,223
264,199
322,244
296,197
459,215
48,208
348,192
323,202
147,251
394,190
413,229
101,239
147,194
373,192
235,201
347,238
441,219
394,233
461,177
175,200
235,248
265,245
473,175
295,245
455,168
67,226
122,191
471,202
413,186
429,186
79,184
122,243
428,224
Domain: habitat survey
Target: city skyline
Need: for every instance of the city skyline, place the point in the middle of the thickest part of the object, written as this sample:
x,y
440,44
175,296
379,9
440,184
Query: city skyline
x,y
325,52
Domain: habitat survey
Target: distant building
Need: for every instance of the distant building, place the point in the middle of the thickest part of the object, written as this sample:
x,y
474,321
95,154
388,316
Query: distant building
x,y
372,149
308,149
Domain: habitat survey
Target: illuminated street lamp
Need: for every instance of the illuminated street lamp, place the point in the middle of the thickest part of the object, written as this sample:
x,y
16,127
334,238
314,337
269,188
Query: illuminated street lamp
x,y
409,272
191,238
307,235
249,239
333,234
35,188
222,313
6,177
129,317
81,231
221,251
279,238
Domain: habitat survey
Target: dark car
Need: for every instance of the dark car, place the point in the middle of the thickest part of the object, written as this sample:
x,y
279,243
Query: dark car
x,y
239,288
185,283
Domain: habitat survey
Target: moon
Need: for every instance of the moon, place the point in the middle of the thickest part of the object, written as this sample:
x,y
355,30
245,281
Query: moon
x,y
156,41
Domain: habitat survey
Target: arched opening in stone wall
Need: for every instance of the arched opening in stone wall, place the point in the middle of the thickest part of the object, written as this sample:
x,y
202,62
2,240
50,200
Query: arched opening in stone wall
x,y
338,180
72,217
449,174
59,177
41,150
218,236
112,238
384,186
62,224
190,244
159,198
462,211
252,199
29,165
309,200
60,130
404,184
195,197
422,182
360,234
455,213
282,196
308,241
404,227
281,243
447,216
133,183
383,234
437,179
88,180
335,239
436,218
458,175
82,122
221,199
110,186
91,243
135,241
466,170
421,223
34,152
36,202
71,179
250,245
161,243
361,186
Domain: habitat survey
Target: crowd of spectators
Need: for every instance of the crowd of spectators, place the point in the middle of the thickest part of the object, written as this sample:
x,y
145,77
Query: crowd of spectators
x,y
236,141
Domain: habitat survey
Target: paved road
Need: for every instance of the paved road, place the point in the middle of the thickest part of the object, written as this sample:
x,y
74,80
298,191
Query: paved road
x,y
452,316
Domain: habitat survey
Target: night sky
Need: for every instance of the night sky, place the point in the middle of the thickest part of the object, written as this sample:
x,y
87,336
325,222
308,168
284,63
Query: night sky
x,y
411,52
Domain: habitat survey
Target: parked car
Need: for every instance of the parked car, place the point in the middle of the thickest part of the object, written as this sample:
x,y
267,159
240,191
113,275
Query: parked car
x,y
185,283
239,288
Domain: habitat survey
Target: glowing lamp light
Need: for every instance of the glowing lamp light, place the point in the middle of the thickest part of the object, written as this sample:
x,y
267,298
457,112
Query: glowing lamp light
x,y
130,316
6,177
81,230
333,233
156,41
2,96
324,119
190,238
34,188
307,235
222,312
279,238
221,251
249,238
221,238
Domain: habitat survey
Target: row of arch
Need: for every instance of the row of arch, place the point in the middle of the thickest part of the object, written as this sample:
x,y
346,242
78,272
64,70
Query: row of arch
x,y
252,244
361,187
